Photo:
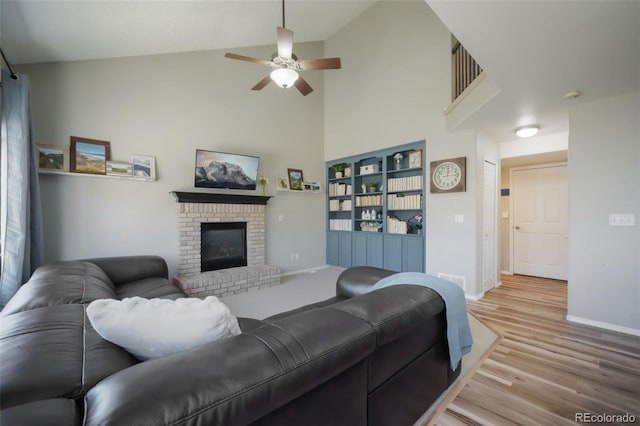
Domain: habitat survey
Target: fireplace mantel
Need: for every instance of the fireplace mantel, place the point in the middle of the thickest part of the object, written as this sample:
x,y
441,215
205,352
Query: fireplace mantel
x,y
211,198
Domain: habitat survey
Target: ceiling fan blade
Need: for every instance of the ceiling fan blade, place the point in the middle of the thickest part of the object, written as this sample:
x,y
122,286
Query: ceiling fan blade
x,y
285,42
320,64
262,83
302,85
247,58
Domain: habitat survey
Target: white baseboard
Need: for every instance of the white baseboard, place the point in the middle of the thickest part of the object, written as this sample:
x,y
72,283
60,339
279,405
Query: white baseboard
x,y
475,298
506,273
605,325
499,284
305,271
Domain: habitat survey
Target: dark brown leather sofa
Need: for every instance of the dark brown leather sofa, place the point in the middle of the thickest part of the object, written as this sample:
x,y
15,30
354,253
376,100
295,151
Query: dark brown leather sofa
x,y
356,359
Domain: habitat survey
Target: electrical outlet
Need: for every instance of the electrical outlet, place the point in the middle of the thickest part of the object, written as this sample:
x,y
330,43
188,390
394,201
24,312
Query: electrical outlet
x,y
622,220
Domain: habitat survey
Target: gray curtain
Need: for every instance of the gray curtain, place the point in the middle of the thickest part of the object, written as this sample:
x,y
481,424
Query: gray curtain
x,y
22,241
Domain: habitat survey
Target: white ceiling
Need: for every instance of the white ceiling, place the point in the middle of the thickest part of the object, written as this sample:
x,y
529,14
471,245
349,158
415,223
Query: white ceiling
x,y
535,51
62,30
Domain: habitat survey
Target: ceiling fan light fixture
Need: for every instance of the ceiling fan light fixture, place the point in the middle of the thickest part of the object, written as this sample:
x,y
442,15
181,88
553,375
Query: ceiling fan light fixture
x,y
284,77
527,131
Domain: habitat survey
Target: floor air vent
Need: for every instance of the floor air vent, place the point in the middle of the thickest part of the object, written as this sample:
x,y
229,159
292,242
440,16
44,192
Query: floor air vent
x,y
453,278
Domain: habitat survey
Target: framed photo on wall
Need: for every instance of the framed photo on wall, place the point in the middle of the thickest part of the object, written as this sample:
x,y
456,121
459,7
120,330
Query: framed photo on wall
x,y
119,168
144,166
51,157
89,155
282,183
295,179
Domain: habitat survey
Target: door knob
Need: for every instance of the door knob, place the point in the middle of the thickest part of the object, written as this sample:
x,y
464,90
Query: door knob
x,y
517,227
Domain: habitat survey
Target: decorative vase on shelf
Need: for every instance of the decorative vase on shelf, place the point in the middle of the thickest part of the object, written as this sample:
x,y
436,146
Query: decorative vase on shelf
x,y
398,159
263,181
338,175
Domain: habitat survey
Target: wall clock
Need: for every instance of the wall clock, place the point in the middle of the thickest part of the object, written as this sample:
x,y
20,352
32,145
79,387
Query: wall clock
x,y
448,175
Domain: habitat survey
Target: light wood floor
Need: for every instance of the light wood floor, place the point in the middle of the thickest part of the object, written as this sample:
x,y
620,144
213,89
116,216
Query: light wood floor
x,y
545,369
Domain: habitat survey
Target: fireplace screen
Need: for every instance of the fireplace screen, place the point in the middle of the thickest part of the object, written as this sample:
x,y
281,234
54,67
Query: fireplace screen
x,y
223,245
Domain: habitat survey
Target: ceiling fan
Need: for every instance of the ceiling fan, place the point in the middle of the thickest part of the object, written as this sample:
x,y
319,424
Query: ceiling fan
x,y
286,65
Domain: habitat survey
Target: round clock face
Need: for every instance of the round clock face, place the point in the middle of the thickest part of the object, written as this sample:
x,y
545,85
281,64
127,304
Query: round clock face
x,y
447,175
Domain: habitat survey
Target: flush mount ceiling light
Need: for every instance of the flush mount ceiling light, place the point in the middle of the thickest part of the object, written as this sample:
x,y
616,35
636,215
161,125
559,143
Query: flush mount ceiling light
x,y
527,131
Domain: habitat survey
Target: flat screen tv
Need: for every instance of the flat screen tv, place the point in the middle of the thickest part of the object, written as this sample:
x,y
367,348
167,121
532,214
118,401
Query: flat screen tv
x,y
223,170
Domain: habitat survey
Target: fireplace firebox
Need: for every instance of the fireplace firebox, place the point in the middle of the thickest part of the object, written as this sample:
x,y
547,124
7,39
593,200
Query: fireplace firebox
x,y
223,245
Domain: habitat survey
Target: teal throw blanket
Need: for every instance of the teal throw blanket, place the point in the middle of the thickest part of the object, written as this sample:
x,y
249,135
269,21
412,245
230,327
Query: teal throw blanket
x,y
458,330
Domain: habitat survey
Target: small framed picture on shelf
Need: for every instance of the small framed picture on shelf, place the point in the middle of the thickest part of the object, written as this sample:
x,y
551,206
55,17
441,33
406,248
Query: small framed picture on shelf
x,y
144,166
295,179
282,183
119,168
89,155
415,158
316,188
51,157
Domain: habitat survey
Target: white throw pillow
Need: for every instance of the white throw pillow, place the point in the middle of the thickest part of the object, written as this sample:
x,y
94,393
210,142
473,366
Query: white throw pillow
x,y
152,328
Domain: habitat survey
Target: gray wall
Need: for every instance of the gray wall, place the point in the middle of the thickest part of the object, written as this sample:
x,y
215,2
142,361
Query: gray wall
x,y
604,177
167,106
393,87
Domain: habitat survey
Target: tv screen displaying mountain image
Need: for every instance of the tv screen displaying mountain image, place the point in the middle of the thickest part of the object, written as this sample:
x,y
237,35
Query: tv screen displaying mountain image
x,y
223,170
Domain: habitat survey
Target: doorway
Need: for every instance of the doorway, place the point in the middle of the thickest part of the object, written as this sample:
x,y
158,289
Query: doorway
x,y
540,220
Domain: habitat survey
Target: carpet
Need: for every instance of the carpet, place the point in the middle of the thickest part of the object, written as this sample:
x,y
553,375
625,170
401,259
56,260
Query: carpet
x,y
484,341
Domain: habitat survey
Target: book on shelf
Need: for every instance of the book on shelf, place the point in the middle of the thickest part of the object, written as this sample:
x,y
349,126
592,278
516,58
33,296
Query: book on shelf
x,y
410,183
396,226
404,202
340,224
339,188
368,200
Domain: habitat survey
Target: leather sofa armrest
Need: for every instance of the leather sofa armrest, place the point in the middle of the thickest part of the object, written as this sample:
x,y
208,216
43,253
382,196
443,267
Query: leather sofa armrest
x,y
357,280
125,269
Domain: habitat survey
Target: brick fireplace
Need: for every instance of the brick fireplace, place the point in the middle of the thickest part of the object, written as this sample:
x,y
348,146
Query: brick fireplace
x,y
196,209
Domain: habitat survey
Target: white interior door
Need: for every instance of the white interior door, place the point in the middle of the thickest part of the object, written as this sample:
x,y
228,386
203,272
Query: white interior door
x,y
540,221
489,218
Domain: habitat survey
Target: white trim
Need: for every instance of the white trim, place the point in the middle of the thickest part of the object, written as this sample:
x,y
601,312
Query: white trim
x,y
605,325
306,271
506,273
499,284
474,298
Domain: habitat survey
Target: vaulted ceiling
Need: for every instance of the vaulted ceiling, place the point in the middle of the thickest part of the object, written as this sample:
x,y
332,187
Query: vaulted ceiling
x,y
535,51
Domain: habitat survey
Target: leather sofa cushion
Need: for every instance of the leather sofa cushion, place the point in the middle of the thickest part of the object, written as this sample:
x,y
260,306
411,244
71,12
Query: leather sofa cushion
x,y
125,269
237,380
47,353
62,283
150,288
48,412
305,308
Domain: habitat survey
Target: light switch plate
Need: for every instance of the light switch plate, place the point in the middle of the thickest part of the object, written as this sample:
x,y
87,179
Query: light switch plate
x,y
459,218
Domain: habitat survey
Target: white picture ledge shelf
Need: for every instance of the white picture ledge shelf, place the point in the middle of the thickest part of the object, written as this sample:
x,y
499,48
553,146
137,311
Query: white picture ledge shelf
x,y
58,172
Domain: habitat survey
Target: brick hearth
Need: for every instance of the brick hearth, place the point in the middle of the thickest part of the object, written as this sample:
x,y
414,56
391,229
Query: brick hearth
x,y
224,281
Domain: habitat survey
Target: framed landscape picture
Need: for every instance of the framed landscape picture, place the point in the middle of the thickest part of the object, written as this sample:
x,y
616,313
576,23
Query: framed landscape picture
x,y
144,166
119,168
89,155
52,157
295,179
